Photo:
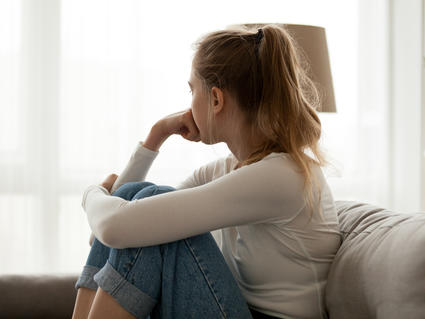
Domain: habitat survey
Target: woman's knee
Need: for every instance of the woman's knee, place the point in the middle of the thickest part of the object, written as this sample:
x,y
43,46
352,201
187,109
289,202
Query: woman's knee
x,y
152,190
128,190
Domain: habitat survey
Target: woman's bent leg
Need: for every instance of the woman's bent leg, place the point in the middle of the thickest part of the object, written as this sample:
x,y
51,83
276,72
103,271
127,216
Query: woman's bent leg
x,y
97,258
188,278
197,282
99,253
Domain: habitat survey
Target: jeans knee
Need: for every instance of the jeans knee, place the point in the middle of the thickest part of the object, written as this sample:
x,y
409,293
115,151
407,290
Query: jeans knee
x,y
128,190
153,190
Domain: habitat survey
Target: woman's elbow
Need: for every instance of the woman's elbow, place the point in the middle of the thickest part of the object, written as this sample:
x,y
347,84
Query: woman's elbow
x,y
113,233
108,236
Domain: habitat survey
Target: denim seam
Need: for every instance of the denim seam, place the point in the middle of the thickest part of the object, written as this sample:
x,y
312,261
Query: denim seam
x,y
118,286
206,277
133,261
125,278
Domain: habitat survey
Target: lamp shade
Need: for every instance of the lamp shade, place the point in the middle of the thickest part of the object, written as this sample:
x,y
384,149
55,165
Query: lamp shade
x,y
311,40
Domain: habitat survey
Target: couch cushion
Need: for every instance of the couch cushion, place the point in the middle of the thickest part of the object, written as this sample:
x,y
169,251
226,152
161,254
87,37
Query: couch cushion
x,y
379,270
37,296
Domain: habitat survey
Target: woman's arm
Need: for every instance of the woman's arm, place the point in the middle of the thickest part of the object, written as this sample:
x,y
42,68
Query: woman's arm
x,y
137,167
181,123
142,157
257,193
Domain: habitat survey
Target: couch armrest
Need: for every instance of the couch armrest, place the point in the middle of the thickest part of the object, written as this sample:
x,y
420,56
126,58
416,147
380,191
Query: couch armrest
x,y
37,296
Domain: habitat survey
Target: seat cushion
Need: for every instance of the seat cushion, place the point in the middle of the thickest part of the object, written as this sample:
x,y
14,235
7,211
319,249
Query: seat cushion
x,y
379,270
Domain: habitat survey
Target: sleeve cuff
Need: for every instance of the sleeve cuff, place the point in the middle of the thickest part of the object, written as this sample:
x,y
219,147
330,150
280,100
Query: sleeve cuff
x,y
140,149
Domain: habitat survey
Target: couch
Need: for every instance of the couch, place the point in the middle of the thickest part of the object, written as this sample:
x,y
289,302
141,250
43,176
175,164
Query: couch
x,y
378,272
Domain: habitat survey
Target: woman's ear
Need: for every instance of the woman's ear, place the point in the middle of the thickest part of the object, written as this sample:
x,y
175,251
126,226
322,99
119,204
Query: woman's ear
x,y
217,98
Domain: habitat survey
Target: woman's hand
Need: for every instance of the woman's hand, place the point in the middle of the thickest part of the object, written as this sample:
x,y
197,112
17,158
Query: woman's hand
x,y
109,182
181,123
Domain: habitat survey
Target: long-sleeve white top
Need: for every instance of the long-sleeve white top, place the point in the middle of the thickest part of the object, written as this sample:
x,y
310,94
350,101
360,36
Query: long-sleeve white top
x,y
279,259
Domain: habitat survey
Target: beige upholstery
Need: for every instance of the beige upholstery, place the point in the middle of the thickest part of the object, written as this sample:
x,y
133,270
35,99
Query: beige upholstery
x,y
379,272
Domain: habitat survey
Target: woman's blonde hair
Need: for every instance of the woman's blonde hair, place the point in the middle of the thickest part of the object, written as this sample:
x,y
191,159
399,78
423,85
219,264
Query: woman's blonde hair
x,y
270,83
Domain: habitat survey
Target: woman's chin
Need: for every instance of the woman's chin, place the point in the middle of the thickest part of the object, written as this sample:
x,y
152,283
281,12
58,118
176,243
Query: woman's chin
x,y
208,140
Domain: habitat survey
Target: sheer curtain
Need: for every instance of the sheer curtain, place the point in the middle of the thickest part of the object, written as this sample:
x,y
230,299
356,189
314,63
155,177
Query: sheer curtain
x,y
82,82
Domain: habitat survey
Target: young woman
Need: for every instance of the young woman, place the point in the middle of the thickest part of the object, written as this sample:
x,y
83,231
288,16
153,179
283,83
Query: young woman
x,y
153,253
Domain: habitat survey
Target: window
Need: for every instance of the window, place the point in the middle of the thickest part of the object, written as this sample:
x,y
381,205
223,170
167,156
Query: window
x,y
82,83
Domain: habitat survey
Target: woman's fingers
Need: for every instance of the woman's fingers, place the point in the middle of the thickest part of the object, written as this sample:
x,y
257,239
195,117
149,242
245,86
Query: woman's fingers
x,y
192,132
109,181
182,123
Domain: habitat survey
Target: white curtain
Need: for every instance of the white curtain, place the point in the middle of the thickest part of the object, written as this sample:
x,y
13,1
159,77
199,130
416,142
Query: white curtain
x,y
82,81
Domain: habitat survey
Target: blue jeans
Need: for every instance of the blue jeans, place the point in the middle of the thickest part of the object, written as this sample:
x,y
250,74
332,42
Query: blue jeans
x,y
188,278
